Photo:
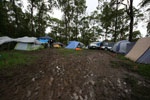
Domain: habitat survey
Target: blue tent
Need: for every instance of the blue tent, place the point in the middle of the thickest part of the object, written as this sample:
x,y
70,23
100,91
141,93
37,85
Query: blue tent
x,y
45,39
72,45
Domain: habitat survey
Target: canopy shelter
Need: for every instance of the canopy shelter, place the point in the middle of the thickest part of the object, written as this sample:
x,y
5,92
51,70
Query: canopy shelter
x,y
5,39
141,51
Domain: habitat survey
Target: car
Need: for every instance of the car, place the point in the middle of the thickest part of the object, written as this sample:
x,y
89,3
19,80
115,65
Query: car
x,y
94,45
104,45
107,46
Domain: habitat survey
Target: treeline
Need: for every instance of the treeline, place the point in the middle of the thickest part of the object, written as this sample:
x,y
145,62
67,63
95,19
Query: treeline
x,y
107,21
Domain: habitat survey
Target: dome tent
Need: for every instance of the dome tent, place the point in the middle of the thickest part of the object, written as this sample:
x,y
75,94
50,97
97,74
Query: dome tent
x,y
121,46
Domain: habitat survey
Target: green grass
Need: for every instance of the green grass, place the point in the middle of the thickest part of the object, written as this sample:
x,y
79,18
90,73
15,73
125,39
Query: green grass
x,y
13,59
142,69
66,52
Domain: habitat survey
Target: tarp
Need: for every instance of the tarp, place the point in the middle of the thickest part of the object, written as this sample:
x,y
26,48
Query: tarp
x,y
120,47
141,46
5,39
46,37
43,40
26,39
27,46
72,45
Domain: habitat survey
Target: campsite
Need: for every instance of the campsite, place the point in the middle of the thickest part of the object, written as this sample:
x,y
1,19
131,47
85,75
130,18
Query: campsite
x,y
74,50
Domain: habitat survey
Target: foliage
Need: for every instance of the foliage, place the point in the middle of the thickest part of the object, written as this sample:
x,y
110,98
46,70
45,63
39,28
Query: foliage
x,y
74,25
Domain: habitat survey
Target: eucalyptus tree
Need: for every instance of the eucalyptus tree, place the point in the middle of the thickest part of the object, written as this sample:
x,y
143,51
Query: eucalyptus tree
x,y
31,7
12,16
78,13
66,7
4,17
146,3
107,18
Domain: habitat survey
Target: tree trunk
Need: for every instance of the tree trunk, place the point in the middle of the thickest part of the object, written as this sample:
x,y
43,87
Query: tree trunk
x,y
77,25
16,17
66,28
116,22
131,20
32,17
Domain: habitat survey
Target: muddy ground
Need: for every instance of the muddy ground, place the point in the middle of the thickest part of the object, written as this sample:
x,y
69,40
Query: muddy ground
x,y
85,75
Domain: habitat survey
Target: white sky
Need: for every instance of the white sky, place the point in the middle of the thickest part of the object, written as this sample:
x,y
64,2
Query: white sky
x,y
91,6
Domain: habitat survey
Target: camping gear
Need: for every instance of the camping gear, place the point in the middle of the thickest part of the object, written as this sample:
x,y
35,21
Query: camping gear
x,y
121,47
27,46
58,45
74,45
141,51
78,49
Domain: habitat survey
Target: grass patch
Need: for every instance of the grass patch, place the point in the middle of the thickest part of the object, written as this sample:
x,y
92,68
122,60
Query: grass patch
x,y
66,52
13,58
142,69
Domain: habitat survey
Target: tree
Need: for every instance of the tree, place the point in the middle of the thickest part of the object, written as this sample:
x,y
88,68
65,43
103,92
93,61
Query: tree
x,y
143,4
136,35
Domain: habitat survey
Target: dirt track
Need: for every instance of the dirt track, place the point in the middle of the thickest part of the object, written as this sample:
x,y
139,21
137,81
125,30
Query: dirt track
x,y
86,76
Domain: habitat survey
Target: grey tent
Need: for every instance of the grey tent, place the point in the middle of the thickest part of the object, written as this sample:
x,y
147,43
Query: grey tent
x,y
141,51
120,47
